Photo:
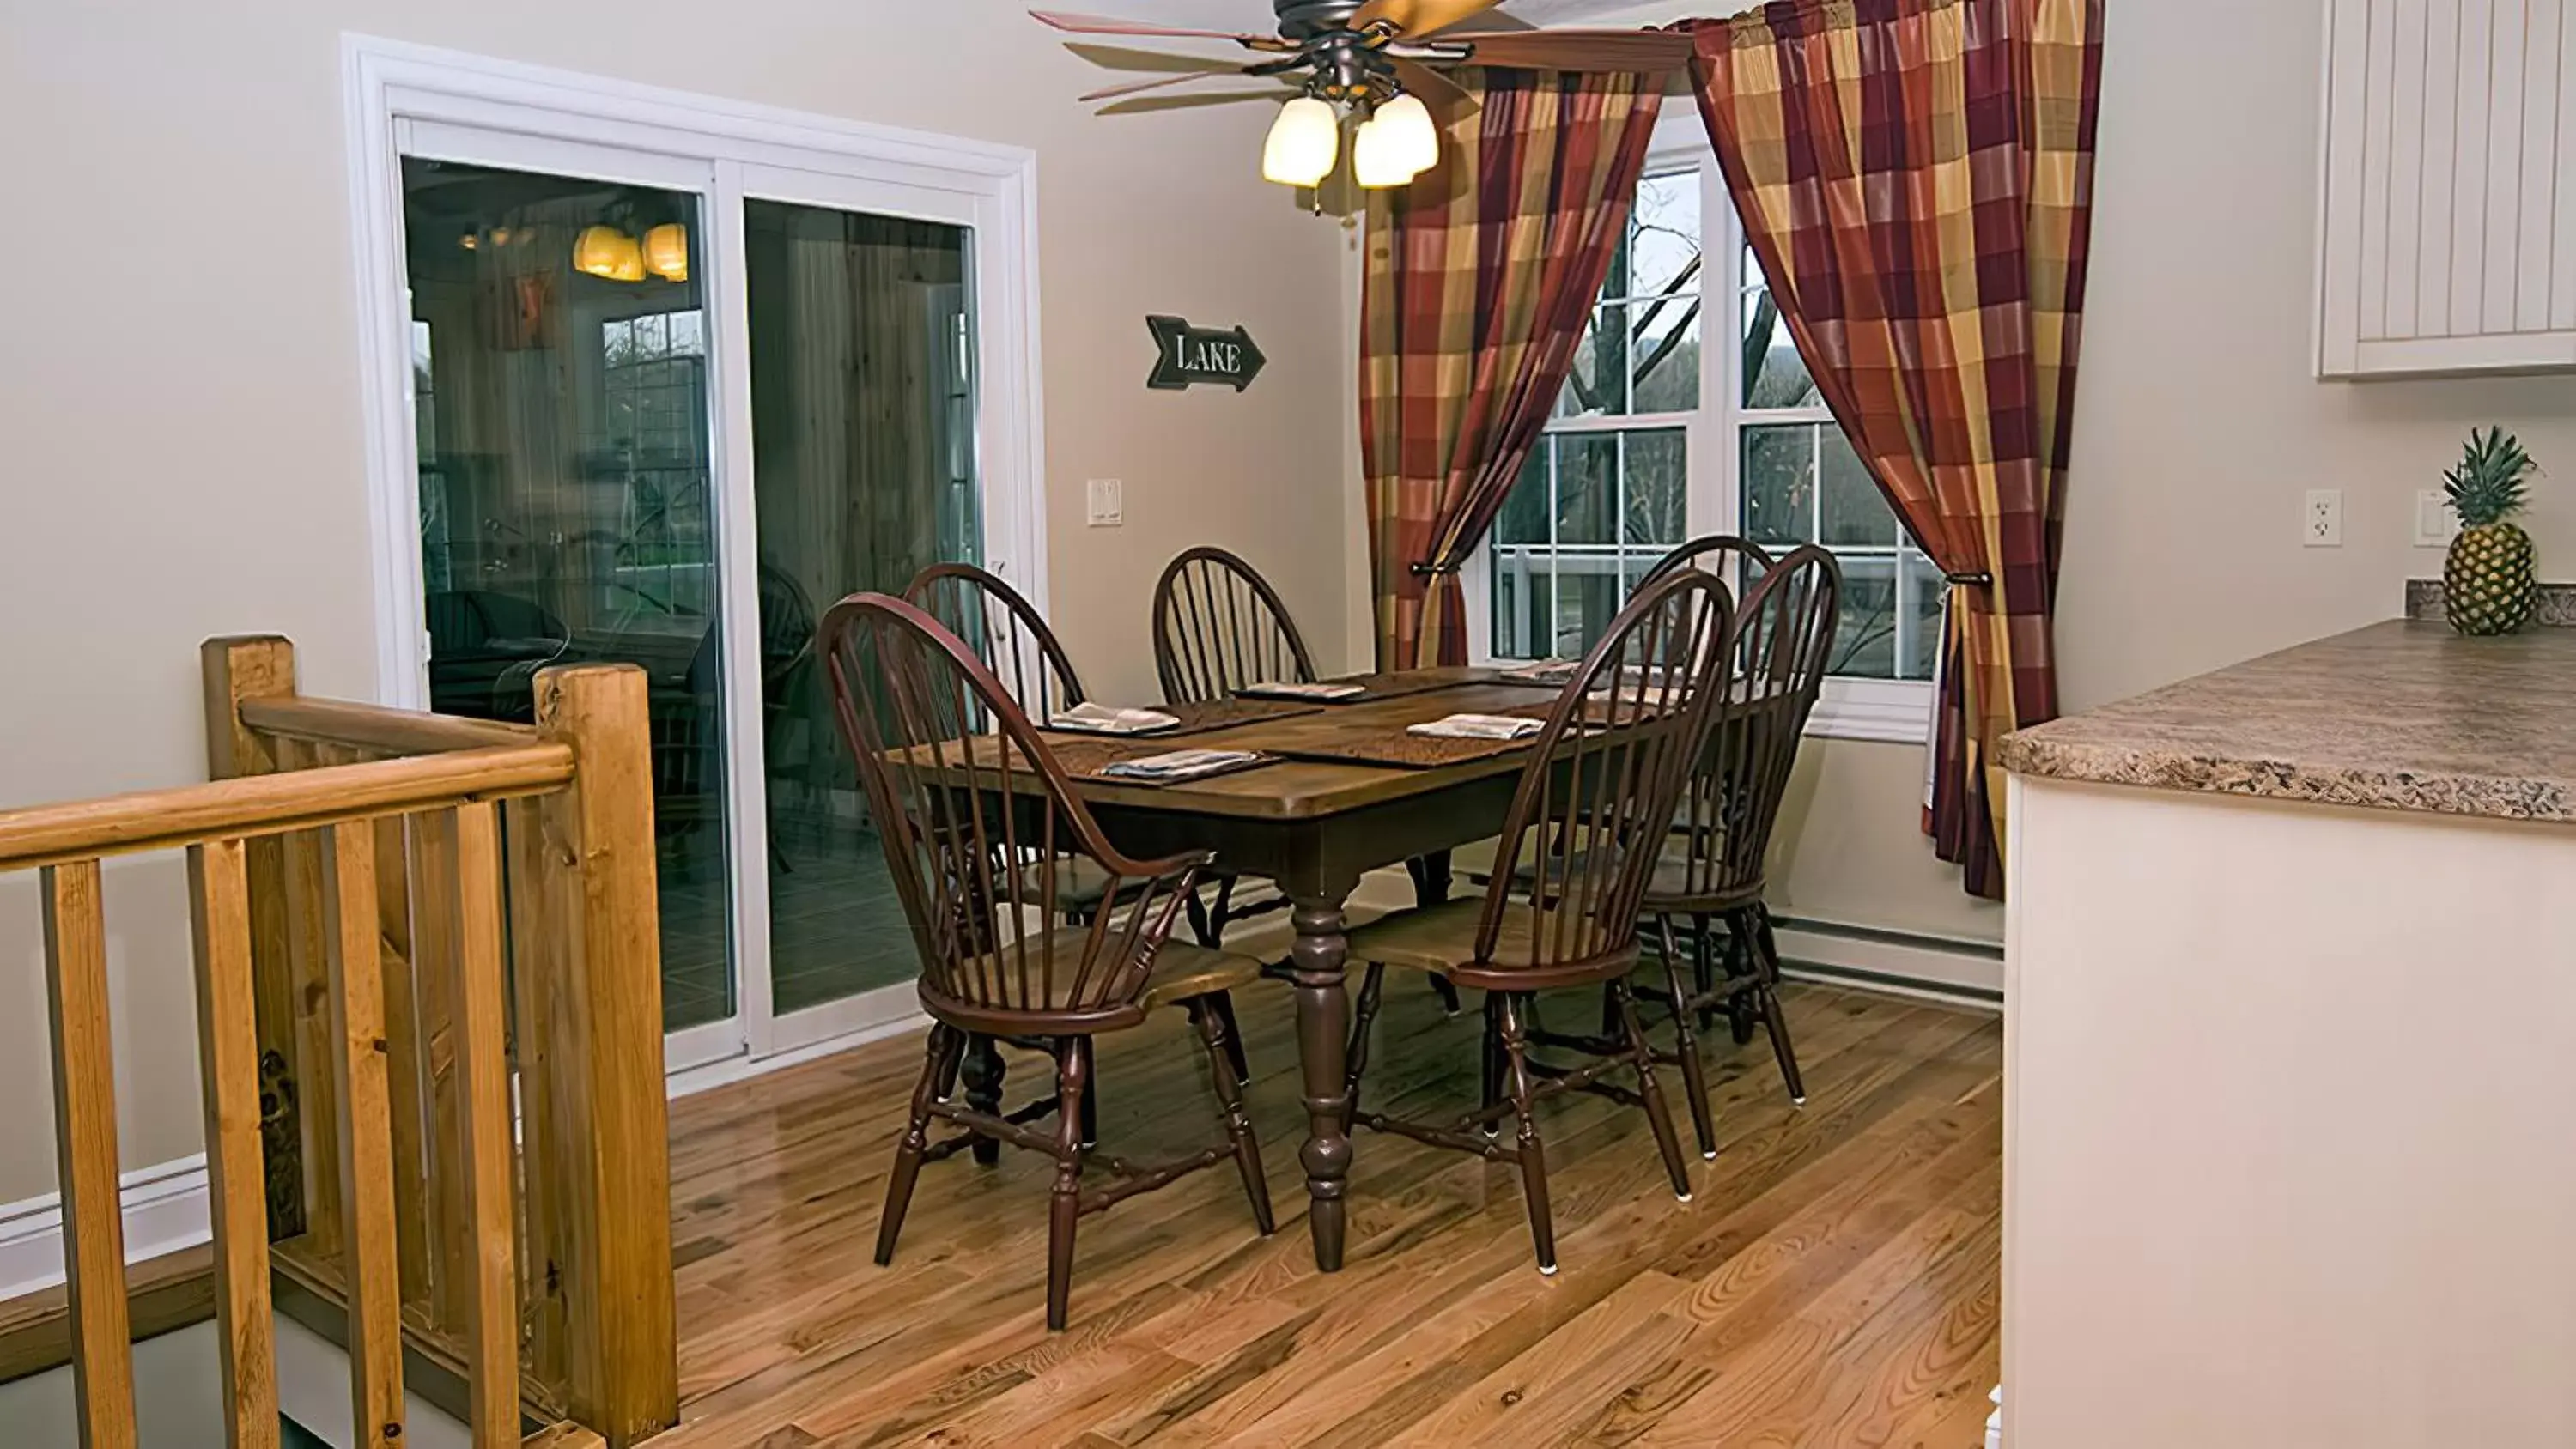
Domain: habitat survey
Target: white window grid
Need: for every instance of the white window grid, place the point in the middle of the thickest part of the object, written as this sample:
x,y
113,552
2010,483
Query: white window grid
x,y
1853,706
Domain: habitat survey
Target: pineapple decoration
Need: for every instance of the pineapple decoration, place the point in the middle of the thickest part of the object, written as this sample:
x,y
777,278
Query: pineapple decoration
x,y
2488,583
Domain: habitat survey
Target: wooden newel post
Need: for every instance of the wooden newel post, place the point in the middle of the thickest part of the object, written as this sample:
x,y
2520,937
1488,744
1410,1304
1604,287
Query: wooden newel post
x,y
590,1039
262,666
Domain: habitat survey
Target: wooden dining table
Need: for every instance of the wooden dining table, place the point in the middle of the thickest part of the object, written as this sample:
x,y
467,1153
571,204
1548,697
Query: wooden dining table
x,y
1314,826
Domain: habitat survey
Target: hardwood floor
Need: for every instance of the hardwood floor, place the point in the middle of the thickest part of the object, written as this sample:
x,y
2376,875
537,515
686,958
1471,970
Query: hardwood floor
x,y
1834,1282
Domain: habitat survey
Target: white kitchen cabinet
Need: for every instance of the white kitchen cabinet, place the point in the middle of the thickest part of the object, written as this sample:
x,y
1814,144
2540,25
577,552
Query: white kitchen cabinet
x,y
2448,230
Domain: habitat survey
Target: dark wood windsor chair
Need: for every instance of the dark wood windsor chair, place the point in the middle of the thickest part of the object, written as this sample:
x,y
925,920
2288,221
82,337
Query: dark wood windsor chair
x,y
1712,868
1586,824
978,820
1008,634
1005,631
1219,626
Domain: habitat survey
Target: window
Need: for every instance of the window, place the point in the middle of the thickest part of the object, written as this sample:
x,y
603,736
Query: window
x,y
1656,441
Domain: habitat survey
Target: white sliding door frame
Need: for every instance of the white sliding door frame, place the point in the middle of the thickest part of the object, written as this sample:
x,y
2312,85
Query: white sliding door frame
x,y
413,100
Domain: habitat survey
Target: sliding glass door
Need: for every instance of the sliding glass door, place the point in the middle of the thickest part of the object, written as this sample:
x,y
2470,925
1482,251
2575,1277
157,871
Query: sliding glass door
x,y
862,392
665,414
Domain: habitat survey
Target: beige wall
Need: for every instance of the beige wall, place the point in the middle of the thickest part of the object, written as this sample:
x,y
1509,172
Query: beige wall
x,y
179,379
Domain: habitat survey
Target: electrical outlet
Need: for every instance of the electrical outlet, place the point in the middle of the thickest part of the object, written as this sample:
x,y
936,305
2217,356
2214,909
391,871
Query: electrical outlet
x,y
1108,499
2322,524
2435,524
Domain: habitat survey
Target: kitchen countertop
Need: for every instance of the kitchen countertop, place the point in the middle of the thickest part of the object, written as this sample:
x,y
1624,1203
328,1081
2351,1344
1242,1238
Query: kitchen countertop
x,y
2398,716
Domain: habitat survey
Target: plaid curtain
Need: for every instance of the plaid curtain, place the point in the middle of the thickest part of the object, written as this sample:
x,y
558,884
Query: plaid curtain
x,y
1916,178
1481,276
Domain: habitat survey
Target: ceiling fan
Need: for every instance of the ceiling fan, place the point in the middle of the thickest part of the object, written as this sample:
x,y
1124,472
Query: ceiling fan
x,y
1382,60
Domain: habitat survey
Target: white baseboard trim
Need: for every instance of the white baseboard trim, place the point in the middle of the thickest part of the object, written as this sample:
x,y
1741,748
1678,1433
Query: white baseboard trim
x,y
1930,967
166,1209
724,1073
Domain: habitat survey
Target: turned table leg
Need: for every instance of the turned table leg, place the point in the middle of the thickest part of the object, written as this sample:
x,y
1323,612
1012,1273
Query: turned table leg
x,y
1323,1036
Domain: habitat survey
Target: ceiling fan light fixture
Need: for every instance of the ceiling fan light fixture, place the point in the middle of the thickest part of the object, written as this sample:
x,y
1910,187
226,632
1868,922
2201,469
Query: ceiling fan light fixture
x,y
1409,136
1304,142
1378,158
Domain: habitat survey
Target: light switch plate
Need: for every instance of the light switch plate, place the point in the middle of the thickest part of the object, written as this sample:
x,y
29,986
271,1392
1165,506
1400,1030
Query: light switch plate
x,y
2435,524
1108,502
2321,526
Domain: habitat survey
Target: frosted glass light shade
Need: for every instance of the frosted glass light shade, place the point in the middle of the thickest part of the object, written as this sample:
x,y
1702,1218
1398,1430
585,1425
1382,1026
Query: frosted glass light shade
x,y
1304,142
666,252
1410,136
1377,156
604,251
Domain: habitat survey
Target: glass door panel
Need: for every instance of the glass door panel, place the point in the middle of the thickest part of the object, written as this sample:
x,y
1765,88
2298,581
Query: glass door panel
x,y
864,472
560,379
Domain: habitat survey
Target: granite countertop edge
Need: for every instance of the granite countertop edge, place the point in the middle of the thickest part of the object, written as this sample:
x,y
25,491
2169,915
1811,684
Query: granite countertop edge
x,y
2491,797
2401,716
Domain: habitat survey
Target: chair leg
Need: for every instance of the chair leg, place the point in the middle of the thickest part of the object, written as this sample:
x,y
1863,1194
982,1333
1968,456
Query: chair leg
x,y
1668,1143
1533,1156
1222,1004
1694,1071
1363,1016
1704,969
937,1063
983,1078
1490,1047
1448,991
1216,1029
1776,1021
1198,914
1064,1207
1742,1011
1218,917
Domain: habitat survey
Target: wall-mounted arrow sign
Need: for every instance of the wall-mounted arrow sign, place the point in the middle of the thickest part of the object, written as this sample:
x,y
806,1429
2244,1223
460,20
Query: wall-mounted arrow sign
x,y
1185,355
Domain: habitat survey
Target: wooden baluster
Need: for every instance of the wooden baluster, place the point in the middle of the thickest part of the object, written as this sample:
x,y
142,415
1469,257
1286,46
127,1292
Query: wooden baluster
x,y
544,884
313,1059
433,895
238,669
357,1001
606,1056
483,1077
85,1143
228,1054
403,1055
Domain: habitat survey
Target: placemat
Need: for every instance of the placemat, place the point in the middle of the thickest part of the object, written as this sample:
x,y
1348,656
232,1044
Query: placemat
x,y
1401,749
1396,684
1195,719
1084,759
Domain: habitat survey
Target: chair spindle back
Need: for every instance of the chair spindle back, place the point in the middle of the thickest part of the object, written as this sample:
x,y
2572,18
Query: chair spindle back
x,y
1784,644
981,825
1218,626
1606,772
1006,632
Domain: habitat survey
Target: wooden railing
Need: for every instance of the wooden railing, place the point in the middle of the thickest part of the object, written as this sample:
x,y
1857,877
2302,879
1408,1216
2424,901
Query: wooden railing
x,y
394,913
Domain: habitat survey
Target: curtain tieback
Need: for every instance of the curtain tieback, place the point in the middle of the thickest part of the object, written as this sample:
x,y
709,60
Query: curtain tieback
x,y
1980,579
1434,570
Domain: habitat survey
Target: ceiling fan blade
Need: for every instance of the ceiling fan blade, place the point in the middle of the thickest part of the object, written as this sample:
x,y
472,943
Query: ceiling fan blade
x,y
1139,105
1414,19
1443,95
1111,25
1612,50
1156,84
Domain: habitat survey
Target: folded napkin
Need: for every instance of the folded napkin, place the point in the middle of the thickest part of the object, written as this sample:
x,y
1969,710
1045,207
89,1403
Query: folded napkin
x,y
1478,727
1545,671
1100,719
1320,689
1180,764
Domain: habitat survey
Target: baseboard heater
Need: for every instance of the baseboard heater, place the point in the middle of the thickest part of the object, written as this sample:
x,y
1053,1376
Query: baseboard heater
x,y
1969,973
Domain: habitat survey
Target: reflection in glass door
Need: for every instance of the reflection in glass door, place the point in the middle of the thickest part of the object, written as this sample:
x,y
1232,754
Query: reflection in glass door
x,y
862,435
560,379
